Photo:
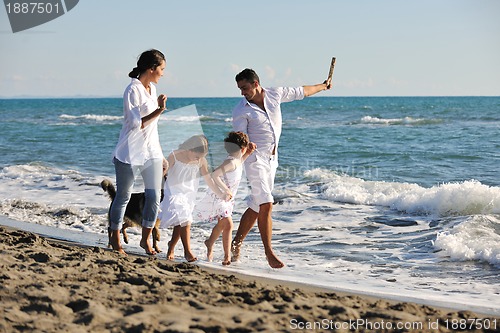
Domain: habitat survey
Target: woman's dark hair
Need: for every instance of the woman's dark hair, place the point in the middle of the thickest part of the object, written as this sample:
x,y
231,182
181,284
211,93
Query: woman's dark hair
x,y
248,75
148,60
235,141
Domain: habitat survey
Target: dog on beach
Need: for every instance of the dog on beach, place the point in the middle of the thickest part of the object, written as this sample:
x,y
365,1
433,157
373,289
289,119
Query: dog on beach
x,y
133,214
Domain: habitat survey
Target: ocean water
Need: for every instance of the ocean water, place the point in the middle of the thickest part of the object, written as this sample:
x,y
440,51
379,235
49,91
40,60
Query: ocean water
x,y
397,197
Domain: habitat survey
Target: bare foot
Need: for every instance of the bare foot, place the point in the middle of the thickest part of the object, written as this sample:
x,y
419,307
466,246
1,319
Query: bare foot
x,y
189,256
114,241
273,261
235,251
227,261
170,252
120,250
149,250
210,254
157,249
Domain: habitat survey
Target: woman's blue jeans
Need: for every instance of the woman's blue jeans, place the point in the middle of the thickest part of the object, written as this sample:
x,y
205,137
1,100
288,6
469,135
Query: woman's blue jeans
x,y
151,172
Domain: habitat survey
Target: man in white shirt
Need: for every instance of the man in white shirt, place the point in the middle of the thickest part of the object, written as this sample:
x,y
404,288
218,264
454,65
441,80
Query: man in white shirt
x,y
259,115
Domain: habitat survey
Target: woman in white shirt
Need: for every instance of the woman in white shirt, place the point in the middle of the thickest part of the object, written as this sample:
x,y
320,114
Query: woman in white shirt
x,y
138,148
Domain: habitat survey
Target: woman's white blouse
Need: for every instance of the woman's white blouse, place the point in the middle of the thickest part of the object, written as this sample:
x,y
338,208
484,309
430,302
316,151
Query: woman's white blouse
x,y
135,145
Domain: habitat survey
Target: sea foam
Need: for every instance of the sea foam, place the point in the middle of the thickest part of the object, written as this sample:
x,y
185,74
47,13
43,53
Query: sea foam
x,y
477,238
398,121
450,199
91,117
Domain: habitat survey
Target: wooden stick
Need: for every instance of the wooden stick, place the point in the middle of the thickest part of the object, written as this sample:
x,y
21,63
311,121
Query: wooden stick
x,y
332,65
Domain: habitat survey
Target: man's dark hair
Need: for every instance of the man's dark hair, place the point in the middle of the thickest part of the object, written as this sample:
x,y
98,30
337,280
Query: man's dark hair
x,y
248,75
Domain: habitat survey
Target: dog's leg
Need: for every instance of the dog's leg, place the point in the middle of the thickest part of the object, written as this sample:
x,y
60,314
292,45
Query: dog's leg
x,y
126,224
156,236
109,238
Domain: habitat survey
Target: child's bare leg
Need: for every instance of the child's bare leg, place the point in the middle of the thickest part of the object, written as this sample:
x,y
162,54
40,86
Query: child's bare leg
x,y
227,229
209,243
186,243
176,235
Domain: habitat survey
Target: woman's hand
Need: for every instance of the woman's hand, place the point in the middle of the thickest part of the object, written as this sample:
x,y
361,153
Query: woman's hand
x,y
162,105
162,102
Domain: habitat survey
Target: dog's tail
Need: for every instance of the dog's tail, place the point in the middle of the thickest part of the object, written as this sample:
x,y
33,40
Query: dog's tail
x,y
107,186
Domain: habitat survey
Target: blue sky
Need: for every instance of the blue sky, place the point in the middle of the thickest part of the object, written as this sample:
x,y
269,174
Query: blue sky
x,y
383,48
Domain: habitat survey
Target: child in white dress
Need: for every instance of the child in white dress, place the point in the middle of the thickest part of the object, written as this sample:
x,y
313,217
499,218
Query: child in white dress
x,y
185,165
227,177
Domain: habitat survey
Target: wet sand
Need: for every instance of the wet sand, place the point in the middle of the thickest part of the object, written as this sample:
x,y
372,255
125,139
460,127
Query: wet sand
x,y
48,285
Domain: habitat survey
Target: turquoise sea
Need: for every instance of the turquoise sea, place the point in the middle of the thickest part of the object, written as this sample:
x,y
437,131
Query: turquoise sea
x,y
390,196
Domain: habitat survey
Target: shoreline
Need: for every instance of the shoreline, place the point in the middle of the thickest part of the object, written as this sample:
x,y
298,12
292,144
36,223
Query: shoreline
x,y
54,285
93,239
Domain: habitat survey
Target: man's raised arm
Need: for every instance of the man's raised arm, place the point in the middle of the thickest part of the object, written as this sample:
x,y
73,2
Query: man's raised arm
x,y
311,90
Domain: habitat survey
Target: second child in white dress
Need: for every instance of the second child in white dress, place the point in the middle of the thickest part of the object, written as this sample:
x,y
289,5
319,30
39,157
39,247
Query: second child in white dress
x,y
185,166
219,207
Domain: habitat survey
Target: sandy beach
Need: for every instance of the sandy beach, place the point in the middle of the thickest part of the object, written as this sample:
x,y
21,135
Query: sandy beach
x,y
54,286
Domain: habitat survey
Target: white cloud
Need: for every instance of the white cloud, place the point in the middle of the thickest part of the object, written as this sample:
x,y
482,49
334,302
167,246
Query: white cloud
x,y
235,68
397,82
356,83
270,72
17,78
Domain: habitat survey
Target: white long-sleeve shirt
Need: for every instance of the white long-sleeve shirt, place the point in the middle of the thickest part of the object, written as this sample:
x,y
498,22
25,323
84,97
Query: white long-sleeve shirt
x,y
135,145
264,126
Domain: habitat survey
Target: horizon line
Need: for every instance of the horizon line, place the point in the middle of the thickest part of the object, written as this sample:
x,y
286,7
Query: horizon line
x,y
120,97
